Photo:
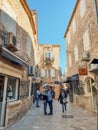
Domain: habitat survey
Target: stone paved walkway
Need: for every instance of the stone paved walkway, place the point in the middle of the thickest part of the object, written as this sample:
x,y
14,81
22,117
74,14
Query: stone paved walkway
x,y
75,118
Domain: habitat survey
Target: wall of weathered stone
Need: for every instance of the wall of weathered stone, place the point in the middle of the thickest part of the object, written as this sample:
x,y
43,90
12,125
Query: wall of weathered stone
x,y
15,110
15,19
19,24
87,22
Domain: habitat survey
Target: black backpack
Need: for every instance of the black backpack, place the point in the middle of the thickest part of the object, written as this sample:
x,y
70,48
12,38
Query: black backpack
x,y
53,94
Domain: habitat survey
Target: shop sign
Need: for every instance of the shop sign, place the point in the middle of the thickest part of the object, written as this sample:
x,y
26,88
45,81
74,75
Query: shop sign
x,y
82,71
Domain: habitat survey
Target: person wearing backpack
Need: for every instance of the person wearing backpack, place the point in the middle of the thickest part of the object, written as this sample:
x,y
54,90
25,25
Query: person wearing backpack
x,y
53,92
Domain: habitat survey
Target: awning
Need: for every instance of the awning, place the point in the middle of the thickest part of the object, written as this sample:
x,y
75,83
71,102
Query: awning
x,y
13,58
74,77
94,61
66,81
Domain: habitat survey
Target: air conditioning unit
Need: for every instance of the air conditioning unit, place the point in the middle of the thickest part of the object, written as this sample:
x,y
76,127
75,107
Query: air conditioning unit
x,y
31,70
11,42
93,67
85,56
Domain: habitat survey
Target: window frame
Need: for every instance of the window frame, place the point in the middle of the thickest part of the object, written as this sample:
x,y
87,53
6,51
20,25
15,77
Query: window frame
x,y
74,26
82,12
16,89
86,39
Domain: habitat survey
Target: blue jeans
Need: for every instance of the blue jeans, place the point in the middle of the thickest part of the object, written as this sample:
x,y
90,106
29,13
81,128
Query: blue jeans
x,y
63,107
45,106
50,106
37,102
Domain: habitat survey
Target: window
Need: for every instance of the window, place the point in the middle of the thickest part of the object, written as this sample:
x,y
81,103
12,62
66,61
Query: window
x,y
24,89
82,8
47,72
68,38
96,8
74,26
28,46
48,55
86,40
53,73
76,54
42,72
70,60
12,88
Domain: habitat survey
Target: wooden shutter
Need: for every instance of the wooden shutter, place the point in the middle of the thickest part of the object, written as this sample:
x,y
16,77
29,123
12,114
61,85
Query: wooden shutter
x,y
52,73
42,73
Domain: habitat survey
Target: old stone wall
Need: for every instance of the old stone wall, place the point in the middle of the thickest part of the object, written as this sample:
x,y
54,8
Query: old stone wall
x,y
87,22
16,20
83,101
17,109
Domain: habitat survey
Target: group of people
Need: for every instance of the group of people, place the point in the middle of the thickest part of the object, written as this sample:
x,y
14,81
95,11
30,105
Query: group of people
x,y
48,95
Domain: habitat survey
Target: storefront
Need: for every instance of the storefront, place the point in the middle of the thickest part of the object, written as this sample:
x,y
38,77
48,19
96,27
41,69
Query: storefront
x,y
15,88
73,86
9,91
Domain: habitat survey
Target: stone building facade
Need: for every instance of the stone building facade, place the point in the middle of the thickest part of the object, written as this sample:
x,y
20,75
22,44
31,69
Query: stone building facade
x,y
81,43
49,65
18,43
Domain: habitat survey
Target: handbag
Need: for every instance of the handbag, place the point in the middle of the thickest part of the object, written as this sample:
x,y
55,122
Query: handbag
x,y
64,100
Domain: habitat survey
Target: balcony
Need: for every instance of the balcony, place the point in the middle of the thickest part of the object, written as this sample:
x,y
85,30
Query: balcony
x,y
48,61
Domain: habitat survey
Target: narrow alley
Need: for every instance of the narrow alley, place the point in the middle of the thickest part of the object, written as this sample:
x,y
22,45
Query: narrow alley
x,y
75,118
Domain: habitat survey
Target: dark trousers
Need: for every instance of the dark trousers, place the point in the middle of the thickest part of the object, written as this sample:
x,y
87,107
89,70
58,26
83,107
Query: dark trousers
x,y
51,106
45,106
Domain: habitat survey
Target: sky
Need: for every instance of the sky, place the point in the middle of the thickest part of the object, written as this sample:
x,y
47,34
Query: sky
x,y
53,18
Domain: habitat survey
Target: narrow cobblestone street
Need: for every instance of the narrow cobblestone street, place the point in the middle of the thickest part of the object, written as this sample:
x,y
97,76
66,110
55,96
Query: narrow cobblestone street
x,y
77,119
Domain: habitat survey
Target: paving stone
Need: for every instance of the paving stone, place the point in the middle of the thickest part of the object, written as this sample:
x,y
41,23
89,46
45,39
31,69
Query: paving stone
x,y
79,119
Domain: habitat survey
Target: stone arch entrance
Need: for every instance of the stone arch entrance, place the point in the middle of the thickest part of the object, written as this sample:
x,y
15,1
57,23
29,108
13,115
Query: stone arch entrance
x,y
46,85
88,84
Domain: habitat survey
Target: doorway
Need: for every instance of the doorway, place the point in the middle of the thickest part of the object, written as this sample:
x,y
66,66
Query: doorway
x,y
2,102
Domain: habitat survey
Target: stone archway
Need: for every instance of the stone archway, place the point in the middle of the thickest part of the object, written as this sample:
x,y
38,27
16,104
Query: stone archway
x,y
88,84
46,85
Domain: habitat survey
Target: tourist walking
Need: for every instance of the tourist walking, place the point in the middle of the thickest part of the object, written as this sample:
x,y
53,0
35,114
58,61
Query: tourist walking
x,y
63,99
37,97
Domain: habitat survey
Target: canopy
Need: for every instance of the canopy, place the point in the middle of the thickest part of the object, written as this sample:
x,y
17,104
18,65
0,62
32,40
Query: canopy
x,y
71,78
94,61
15,59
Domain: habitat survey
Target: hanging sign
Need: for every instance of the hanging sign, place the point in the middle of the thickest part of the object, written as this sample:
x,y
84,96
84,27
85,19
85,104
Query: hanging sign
x,y
82,71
